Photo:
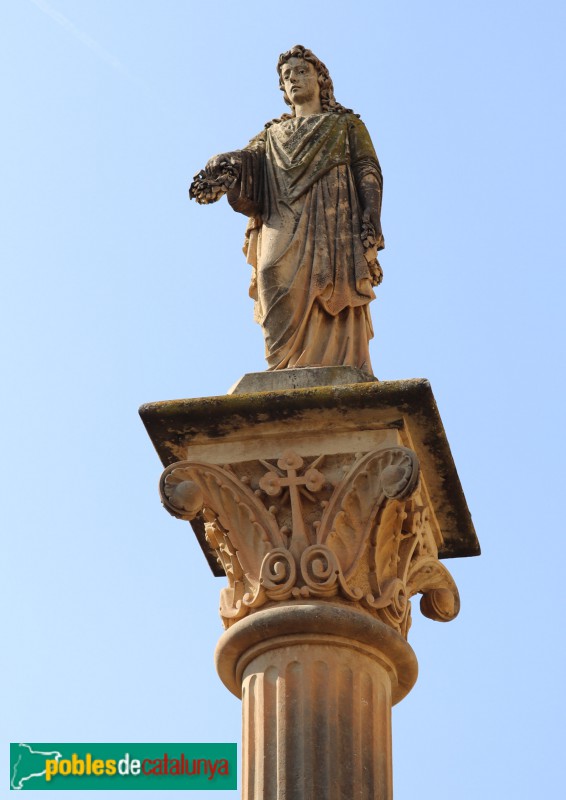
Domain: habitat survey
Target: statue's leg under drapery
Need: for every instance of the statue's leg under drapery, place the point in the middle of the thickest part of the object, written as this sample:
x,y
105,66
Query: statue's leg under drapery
x,y
326,340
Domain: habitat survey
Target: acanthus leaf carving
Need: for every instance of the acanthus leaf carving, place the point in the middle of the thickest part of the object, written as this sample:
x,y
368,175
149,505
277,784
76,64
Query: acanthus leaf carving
x,y
348,519
231,504
351,526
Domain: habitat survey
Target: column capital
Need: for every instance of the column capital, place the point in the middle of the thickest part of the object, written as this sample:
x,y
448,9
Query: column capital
x,y
341,493
351,527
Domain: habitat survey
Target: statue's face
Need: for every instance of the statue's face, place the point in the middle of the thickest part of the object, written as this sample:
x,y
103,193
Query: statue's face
x,y
300,80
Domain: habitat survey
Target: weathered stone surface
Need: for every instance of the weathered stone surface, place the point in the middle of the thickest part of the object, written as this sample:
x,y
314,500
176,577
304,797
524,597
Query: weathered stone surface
x,y
300,378
320,421
311,186
328,500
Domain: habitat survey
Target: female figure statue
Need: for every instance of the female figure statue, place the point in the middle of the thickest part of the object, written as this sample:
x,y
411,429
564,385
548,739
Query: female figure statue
x,y
311,186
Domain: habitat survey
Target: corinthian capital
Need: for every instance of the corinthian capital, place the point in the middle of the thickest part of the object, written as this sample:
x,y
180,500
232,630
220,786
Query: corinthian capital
x,y
353,527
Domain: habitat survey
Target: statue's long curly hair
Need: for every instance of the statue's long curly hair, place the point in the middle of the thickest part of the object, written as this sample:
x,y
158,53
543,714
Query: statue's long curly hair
x,y
327,99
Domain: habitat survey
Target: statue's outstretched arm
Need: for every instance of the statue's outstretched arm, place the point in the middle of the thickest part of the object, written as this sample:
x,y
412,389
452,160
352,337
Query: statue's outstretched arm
x,y
238,175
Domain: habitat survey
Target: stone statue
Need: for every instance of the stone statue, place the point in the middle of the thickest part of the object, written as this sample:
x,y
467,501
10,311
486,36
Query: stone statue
x,y
311,186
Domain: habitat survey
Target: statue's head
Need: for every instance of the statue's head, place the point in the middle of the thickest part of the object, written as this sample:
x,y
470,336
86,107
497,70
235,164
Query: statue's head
x,y
327,99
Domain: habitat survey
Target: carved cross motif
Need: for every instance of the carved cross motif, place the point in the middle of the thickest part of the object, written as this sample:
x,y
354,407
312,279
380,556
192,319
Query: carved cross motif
x,y
312,480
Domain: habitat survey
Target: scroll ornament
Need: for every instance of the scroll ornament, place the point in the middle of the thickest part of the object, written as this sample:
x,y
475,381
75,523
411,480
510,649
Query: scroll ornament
x,y
351,527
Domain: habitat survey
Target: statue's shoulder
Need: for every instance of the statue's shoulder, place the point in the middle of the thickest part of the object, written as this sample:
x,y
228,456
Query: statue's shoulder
x,y
348,123
256,142
353,121
360,141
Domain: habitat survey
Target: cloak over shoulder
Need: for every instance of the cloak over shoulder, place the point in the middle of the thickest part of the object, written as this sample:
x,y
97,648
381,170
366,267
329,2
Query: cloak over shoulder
x,y
312,283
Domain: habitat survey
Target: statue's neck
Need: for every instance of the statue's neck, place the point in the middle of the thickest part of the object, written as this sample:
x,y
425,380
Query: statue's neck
x,y
308,109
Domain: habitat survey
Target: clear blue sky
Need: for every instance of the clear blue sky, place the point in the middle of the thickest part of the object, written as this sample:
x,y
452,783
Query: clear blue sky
x,y
116,290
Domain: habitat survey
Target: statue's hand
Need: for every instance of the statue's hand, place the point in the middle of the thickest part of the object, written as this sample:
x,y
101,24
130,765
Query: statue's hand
x,y
369,239
219,175
376,272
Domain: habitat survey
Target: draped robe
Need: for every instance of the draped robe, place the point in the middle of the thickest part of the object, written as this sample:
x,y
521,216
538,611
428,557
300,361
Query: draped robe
x,y
311,280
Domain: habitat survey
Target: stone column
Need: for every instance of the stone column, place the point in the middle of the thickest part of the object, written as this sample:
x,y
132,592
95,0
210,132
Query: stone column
x,y
327,509
317,682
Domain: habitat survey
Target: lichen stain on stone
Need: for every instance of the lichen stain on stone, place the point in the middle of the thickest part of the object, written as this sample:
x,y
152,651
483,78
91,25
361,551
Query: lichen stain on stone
x,y
174,426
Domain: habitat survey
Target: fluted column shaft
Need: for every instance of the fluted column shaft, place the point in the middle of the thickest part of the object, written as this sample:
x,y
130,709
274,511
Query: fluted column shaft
x,y
317,723
316,701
